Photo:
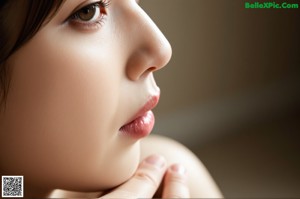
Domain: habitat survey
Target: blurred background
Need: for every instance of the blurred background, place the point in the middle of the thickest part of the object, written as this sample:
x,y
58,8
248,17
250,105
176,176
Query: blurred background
x,y
231,92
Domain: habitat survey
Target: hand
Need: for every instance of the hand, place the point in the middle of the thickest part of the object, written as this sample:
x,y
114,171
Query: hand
x,y
148,177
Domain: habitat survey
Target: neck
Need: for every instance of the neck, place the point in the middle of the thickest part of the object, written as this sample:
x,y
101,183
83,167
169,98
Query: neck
x,y
38,192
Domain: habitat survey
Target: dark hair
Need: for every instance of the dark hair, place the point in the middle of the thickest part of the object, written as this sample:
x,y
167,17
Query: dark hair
x,y
19,21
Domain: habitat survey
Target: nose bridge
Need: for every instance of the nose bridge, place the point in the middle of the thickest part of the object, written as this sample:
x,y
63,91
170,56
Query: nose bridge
x,y
154,41
151,50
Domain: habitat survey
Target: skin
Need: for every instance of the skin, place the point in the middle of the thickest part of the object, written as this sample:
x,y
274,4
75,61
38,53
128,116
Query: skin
x,y
198,179
73,87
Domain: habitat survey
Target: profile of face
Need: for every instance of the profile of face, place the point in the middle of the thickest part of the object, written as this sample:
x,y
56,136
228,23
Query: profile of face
x,y
75,87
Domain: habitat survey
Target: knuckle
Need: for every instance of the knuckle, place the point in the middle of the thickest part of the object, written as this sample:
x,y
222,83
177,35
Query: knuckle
x,y
178,192
147,177
180,181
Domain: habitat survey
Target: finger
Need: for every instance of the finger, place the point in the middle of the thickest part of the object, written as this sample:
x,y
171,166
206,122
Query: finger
x,y
144,182
175,183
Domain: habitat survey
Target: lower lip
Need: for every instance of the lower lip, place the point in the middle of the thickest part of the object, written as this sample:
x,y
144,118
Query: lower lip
x,y
140,127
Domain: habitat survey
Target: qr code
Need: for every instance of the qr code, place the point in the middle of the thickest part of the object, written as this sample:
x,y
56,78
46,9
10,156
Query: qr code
x,y
12,186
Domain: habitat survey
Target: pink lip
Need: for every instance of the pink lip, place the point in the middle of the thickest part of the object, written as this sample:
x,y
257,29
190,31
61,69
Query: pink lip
x,y
142,123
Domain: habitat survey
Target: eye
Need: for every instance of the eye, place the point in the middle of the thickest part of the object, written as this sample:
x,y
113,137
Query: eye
x,y
90,16
89,13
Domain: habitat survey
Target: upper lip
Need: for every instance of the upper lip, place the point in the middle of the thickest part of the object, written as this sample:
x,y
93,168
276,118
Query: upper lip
x,y
150,104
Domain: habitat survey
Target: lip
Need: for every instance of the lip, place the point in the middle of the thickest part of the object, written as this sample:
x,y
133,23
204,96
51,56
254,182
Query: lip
x,y
142,123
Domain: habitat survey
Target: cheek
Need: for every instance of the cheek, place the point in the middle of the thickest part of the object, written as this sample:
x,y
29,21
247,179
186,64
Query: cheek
x,y
64,103
66,85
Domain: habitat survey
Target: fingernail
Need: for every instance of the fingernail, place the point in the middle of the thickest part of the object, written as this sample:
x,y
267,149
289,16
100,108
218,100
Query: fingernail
x,y
156,160
178,168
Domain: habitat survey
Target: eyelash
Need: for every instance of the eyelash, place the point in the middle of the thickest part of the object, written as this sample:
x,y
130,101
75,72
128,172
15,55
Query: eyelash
x,y
90,24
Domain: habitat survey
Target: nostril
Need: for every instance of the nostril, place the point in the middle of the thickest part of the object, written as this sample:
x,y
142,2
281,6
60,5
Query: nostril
x,y
151,69
148,71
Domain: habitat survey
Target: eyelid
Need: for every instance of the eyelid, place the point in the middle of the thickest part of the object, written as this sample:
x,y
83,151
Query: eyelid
x,y
74,21
104,3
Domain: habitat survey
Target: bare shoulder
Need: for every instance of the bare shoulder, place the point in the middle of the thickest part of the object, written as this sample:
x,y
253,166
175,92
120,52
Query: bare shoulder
x,y
200,182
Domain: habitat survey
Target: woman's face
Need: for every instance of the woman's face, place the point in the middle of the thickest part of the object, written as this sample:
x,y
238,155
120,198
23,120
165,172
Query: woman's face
x,y
75,84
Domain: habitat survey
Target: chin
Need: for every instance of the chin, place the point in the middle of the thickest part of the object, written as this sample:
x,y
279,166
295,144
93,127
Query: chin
x,y
126,172
101,184
123,169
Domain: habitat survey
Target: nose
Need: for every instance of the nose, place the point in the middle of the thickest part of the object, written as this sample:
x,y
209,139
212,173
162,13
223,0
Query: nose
x,y
149,49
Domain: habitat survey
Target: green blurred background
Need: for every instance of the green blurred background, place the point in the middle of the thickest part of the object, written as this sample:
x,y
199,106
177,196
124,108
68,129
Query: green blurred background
x,y
231,92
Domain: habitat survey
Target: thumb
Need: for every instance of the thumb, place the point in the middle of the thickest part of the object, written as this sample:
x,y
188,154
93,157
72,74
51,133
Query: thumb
x,y
145,181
